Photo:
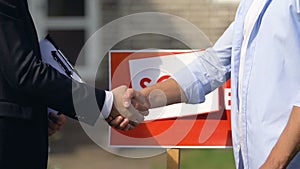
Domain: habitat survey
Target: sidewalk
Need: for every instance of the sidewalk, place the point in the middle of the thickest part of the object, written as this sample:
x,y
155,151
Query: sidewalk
x,y
75,150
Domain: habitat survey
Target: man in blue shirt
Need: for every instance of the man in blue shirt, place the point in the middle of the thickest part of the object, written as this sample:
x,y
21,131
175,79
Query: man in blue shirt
x,y
260,51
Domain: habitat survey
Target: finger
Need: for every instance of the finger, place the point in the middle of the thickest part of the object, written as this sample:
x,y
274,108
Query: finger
x,y
58,124
145,113
140,104
52,125
121,123
109,119
124,123
117,121
58,127
129,127
139,101
133,123
50,132
128,96
52,116
61,120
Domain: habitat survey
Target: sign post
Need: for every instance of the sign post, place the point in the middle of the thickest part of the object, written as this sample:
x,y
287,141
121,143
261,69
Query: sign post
x,y
173,158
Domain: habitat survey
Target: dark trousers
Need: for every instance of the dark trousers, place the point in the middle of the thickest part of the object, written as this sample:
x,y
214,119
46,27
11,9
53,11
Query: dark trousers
x,y
23,143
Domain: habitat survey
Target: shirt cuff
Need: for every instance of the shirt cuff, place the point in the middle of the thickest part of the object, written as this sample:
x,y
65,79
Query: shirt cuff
x,y
108,103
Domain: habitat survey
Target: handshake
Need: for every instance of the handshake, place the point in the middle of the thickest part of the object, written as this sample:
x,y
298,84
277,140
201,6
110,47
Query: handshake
x,y
129,108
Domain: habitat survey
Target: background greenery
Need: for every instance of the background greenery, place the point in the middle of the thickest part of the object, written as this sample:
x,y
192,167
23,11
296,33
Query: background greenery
x,y
205,159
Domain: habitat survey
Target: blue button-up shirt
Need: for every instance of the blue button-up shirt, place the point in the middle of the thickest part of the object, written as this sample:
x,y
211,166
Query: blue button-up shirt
x,y
270,81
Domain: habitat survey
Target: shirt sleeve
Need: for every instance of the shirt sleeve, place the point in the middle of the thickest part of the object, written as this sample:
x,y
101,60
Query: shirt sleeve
x,y
209,71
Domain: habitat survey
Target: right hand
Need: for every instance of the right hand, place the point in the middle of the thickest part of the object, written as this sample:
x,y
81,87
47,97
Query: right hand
x,y
136,99
121,117
55,122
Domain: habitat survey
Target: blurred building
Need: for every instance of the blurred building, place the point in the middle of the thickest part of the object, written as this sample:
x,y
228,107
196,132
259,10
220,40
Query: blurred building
x,y
72,22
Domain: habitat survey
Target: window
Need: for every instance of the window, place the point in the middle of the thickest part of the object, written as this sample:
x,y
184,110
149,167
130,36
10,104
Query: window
x,y
66,8
70,42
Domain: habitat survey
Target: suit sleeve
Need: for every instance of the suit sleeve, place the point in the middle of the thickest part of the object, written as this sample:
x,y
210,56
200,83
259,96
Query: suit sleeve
x,y
27,75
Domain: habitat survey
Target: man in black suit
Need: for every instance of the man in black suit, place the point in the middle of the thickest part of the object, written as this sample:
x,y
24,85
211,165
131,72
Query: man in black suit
x,y
28,86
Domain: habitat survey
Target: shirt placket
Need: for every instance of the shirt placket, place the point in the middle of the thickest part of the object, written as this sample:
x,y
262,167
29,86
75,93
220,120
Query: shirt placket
x,y
250,20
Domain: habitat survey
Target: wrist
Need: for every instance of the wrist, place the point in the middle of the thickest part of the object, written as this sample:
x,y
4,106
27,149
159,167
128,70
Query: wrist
x,y
146,92
276,163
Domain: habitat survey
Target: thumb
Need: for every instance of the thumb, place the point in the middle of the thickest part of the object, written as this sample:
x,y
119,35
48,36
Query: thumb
x,y
128,95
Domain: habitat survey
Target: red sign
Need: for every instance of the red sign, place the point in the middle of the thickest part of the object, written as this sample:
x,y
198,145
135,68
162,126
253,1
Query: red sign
x,y
190,130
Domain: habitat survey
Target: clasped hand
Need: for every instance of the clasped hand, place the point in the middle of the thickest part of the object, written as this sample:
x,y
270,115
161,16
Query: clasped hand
x,y
129,108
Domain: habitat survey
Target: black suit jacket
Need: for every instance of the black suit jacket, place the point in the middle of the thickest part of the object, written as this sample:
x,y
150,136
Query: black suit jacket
x,y
27,85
